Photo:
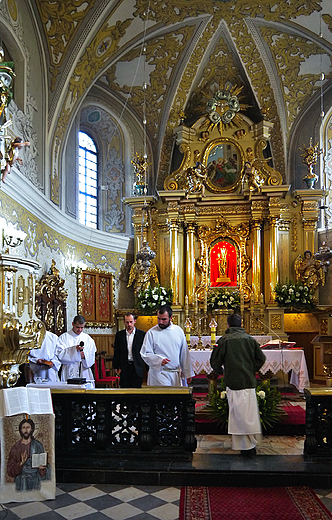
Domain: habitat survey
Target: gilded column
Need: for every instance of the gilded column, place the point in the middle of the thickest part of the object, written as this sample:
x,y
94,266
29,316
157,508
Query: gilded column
x,y
273,263
309,227
174,250
137,238
310,212
256,259
190,263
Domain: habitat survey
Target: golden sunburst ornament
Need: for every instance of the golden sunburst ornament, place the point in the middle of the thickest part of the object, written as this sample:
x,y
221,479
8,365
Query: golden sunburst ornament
x,y
223,107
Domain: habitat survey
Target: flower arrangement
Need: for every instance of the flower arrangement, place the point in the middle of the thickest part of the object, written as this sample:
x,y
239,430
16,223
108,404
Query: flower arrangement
x,y
152,298
268,402
224,298
294,295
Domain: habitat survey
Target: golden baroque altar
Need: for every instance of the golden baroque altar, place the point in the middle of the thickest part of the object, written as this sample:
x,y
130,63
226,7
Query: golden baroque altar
x,y
226,218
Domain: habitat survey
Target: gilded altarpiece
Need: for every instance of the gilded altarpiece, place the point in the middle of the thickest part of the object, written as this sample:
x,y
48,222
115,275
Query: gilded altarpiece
x,y
225,219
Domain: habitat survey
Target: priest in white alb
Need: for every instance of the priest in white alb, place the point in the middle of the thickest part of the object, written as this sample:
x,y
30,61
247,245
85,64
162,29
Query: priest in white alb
x,y
76,351
166,352
43,362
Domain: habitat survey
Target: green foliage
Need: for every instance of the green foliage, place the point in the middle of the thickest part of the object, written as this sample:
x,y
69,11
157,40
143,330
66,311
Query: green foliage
x,y
152,298
295,295
223,298
268,402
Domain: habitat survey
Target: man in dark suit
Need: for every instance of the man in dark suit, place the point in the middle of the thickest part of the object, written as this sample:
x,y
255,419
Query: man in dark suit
x,y
127,361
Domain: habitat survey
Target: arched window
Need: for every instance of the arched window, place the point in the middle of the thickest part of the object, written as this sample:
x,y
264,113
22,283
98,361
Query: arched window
x,y
88,181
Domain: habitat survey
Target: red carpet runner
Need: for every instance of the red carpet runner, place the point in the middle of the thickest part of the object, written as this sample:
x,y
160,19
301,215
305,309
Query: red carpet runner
x,y
220,503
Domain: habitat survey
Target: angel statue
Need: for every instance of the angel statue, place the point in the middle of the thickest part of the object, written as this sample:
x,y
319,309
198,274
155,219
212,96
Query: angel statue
x,y
142,275
193,179
309,270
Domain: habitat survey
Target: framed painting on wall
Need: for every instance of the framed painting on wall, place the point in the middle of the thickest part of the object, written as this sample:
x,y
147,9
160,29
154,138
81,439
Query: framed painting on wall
x,y
95,297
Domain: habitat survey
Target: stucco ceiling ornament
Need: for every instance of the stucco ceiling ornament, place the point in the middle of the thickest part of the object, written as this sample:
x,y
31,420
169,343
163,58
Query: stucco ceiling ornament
x,y
223,107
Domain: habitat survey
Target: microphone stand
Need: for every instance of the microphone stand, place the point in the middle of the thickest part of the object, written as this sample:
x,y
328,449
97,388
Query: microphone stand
x,y
273,332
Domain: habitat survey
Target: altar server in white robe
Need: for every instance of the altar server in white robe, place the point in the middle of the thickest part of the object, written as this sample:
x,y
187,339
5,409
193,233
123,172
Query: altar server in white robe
x,y
43,361
76,351
166,352
241,356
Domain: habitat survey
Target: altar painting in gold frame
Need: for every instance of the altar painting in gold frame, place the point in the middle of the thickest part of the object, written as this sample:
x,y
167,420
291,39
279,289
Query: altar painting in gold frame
x,y
224,161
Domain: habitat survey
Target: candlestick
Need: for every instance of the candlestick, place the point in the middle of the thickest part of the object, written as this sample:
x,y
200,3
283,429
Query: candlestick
x,y
262,302
213,327
205,302
241,302
196,304
252,303
188,326
186,304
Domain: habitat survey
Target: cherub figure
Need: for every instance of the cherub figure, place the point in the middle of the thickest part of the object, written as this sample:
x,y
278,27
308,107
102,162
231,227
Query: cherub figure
x,y
309,270
249,179
12,155
193,179
196,179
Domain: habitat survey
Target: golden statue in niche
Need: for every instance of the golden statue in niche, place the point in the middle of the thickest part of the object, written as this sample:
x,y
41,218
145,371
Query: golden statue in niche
x,y
222,264
309,270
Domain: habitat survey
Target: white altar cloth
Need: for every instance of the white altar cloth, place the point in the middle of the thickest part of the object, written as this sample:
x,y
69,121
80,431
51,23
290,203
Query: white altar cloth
x,y
285,360
206,340
288,360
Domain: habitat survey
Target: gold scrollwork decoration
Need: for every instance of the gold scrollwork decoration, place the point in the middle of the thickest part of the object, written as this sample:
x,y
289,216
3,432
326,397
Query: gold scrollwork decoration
x,y
20,290
271,176
276,321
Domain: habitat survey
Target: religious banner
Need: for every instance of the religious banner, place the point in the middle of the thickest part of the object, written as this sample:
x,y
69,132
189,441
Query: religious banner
x,y
223,265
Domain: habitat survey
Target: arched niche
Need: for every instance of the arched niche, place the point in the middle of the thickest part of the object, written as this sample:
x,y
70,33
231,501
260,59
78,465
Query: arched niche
x,y
224,263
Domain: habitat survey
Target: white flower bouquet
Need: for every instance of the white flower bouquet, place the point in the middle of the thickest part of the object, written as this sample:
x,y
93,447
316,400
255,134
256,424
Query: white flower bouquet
x,y
223,298
152,298
268,399
295,295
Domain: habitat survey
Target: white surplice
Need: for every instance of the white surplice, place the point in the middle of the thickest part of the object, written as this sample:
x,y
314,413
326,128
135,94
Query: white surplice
x,y
46,351
72,364
167,343
244,422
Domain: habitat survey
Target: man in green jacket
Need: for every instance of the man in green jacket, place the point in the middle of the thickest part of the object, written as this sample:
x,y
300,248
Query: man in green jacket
x,y
241,357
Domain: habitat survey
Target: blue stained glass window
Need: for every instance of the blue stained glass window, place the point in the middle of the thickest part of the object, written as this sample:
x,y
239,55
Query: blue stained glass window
x,y
87,181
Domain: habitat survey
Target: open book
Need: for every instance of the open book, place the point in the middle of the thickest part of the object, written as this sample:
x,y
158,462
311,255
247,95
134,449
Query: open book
x,y
278,343
25,400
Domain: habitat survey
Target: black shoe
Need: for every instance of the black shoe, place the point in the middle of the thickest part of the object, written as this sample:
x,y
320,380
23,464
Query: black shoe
x,y
249,453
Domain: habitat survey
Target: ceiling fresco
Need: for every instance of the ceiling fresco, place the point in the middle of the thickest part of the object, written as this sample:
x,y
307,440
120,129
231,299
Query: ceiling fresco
x,y
183,50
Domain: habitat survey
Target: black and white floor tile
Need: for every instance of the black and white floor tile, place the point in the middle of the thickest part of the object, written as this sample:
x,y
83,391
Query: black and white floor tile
x,y
101,502
98,502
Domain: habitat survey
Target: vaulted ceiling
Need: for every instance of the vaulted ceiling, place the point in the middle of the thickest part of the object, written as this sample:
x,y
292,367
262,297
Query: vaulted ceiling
x,y
183,50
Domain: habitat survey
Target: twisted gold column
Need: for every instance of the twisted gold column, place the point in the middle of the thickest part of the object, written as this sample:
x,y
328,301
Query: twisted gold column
x,y
256,259
174,250
273,264
190,271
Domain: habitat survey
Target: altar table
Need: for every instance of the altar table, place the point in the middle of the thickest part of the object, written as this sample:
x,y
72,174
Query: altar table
x,y
206,340
285,360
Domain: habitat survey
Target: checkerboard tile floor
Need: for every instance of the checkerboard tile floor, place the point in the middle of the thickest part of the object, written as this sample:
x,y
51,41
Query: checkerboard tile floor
x,y
97,502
